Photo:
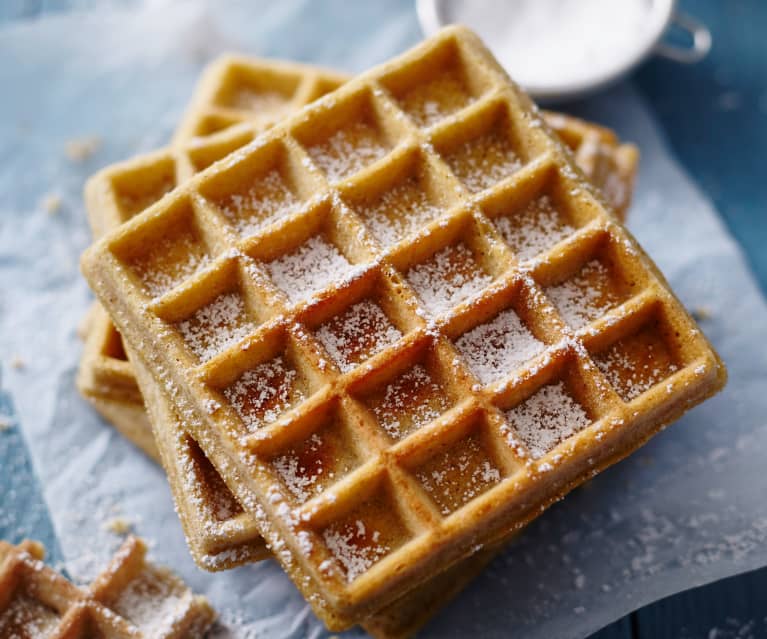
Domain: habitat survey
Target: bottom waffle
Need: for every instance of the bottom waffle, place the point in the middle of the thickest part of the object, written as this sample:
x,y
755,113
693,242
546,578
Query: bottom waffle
x,y
131,599
210,513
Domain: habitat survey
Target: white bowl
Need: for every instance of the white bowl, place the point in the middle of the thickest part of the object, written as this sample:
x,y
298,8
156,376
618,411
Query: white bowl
x,y
555,57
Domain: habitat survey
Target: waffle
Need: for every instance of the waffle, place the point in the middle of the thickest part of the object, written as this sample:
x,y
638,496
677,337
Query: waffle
x,y
131,599
118,192
278,368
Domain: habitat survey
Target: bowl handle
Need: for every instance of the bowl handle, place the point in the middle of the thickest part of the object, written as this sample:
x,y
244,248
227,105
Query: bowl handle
x,y
701,41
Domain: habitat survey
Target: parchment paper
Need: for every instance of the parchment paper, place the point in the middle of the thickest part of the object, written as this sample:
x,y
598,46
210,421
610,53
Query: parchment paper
x,y
687,509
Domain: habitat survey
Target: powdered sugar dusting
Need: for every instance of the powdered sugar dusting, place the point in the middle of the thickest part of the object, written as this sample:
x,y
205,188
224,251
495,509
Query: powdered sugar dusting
x,y
26,617
355,547
585,296
493,350
357,334
169,262
262,394
484,161
635,364
451,276
267,201
150,603
310,268
536,228
429,102
547,418
348,150
216,326
408,402
400,211
458,475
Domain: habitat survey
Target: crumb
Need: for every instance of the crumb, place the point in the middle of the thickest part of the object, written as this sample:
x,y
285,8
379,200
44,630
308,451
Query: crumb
x,y
701,313
17,363
5,424
52,203
80,149
118,526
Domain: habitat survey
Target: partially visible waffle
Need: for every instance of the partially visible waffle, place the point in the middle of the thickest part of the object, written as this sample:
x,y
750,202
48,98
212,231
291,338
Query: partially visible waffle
x,y
405,321
131,599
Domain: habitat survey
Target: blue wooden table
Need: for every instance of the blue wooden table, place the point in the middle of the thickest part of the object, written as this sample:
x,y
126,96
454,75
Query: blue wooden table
x,y
715,117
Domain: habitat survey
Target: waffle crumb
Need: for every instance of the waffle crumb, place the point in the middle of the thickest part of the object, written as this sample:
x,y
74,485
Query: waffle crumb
x,y
17,363
118,526
51,203
701,313
5,424
80,149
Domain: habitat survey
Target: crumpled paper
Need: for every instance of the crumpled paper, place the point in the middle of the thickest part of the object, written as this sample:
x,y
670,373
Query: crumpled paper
x,y
687,509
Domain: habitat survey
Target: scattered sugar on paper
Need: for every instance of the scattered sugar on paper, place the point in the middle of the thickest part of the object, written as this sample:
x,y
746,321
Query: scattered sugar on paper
x,y
448,278
359,333
493,350
310,268
547,418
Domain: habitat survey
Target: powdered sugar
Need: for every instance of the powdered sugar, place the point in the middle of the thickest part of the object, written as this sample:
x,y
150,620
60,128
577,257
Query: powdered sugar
x,y
449,277
262,394
481,162
495,349
400,211
151,604
547,418
636,364
354,549
458,475
348,150
311,267
410,401
357,334
27,617
536,228
301,480
585,296
216,326
267,201
169,262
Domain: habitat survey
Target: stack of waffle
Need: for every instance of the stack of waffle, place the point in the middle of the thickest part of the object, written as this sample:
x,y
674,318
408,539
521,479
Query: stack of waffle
x,y
378,324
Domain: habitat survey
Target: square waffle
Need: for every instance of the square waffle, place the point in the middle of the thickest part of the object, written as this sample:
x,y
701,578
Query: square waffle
x,y
328,316
120,191
131,599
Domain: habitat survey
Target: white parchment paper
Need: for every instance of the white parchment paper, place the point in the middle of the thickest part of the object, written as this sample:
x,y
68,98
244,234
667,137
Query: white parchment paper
x,y
687,509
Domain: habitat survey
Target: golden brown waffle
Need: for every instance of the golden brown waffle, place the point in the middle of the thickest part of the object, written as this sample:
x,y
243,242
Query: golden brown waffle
x,y
131,599
118,192
270,297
